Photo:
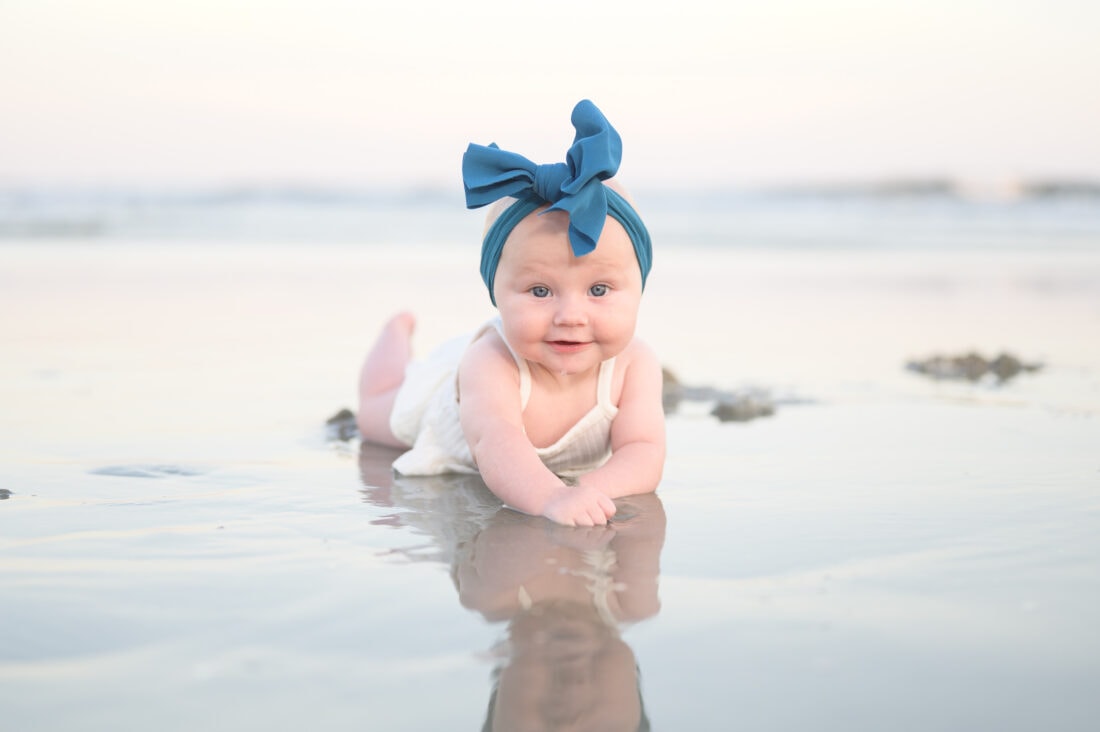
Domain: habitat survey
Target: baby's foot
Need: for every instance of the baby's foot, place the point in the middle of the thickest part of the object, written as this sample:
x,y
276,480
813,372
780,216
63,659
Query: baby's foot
x,y
384,368
400,327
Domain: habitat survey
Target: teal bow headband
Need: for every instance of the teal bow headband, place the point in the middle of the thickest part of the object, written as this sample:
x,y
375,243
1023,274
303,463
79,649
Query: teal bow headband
x,y
575,186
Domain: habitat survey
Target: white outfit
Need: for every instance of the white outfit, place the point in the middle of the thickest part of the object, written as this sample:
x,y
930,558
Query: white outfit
x,y
425,416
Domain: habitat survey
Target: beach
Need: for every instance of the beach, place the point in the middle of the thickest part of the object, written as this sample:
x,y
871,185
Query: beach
x,y
185,543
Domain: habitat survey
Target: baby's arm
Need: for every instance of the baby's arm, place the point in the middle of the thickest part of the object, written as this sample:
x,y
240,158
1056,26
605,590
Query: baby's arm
x,y
492,422
638,432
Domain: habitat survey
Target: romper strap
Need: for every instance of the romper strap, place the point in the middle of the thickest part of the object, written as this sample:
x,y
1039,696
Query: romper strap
x,y
521,364
524,380
603,386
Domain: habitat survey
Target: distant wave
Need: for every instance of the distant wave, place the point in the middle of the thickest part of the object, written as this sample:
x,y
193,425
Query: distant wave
x,y
269,212
888,213
15,197
914,189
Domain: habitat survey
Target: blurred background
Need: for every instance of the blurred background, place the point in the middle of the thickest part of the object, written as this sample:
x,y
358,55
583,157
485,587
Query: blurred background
x,y
208,209
310,120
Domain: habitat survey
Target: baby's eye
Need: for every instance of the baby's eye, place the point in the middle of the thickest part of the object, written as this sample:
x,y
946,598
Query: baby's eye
x,y
540,291
598,290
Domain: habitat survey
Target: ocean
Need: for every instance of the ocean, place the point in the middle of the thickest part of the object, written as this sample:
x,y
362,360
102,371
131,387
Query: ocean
x,y
922,215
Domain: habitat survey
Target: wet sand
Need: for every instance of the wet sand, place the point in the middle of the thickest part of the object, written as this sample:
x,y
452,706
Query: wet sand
x,y
182,543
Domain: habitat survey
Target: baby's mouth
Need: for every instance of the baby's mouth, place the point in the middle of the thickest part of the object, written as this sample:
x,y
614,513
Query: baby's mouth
x,y
567,345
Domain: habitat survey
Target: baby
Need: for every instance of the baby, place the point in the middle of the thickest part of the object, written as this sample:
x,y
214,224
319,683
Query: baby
x,y
555,402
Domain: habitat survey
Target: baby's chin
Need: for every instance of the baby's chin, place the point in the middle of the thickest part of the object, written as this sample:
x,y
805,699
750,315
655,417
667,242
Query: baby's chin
x,y
577,364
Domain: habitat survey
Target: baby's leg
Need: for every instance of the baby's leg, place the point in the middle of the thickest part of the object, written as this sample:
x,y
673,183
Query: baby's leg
x,y
381,377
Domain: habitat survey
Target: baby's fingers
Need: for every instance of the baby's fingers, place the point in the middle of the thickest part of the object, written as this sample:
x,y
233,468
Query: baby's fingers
x,y
598,511
600,515
608,506
591,516
582,510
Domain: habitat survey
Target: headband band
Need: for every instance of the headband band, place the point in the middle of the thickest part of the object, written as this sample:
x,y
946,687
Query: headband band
x,y
575,186
617,208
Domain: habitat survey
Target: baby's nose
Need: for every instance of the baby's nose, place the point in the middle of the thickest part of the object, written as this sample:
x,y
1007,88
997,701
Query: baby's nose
x,y
571,311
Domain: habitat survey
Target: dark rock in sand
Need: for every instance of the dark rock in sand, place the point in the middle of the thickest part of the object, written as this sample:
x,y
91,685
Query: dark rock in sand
x,y
972,367
4,494
729,406
743,406
1005,366
341,426
675,391
672,392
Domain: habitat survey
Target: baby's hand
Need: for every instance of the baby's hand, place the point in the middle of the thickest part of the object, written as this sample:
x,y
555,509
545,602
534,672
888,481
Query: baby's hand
x,y
579,506
582,539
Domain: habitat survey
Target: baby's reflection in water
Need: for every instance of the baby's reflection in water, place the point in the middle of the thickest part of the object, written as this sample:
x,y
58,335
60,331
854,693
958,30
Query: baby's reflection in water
x,y
563,594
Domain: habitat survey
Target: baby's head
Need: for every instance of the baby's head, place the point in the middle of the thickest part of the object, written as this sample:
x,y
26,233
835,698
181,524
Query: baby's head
x,y
567,670
581,188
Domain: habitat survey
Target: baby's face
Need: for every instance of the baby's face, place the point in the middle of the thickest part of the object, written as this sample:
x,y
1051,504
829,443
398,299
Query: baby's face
x,y
564,312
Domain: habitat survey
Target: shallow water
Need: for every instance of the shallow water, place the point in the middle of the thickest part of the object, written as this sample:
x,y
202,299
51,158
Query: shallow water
x,y
182,545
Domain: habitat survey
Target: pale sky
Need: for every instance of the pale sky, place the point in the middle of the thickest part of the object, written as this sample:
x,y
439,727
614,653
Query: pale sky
x,y
357,92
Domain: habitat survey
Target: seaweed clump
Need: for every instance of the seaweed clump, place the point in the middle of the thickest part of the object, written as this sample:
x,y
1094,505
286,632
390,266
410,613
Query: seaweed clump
x,y
972,366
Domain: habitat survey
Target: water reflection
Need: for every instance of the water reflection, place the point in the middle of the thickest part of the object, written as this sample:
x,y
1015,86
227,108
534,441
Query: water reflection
x,y
562,596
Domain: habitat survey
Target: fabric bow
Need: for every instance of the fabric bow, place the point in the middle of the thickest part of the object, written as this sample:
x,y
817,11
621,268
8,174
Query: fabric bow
x,y
575,186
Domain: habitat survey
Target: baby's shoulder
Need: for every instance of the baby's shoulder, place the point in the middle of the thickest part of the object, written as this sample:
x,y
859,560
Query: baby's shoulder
x,y
487,355
488,343
637,355
638,366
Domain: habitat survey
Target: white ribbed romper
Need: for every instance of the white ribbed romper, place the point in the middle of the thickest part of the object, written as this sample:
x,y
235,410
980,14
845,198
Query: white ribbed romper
x,y
425,416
